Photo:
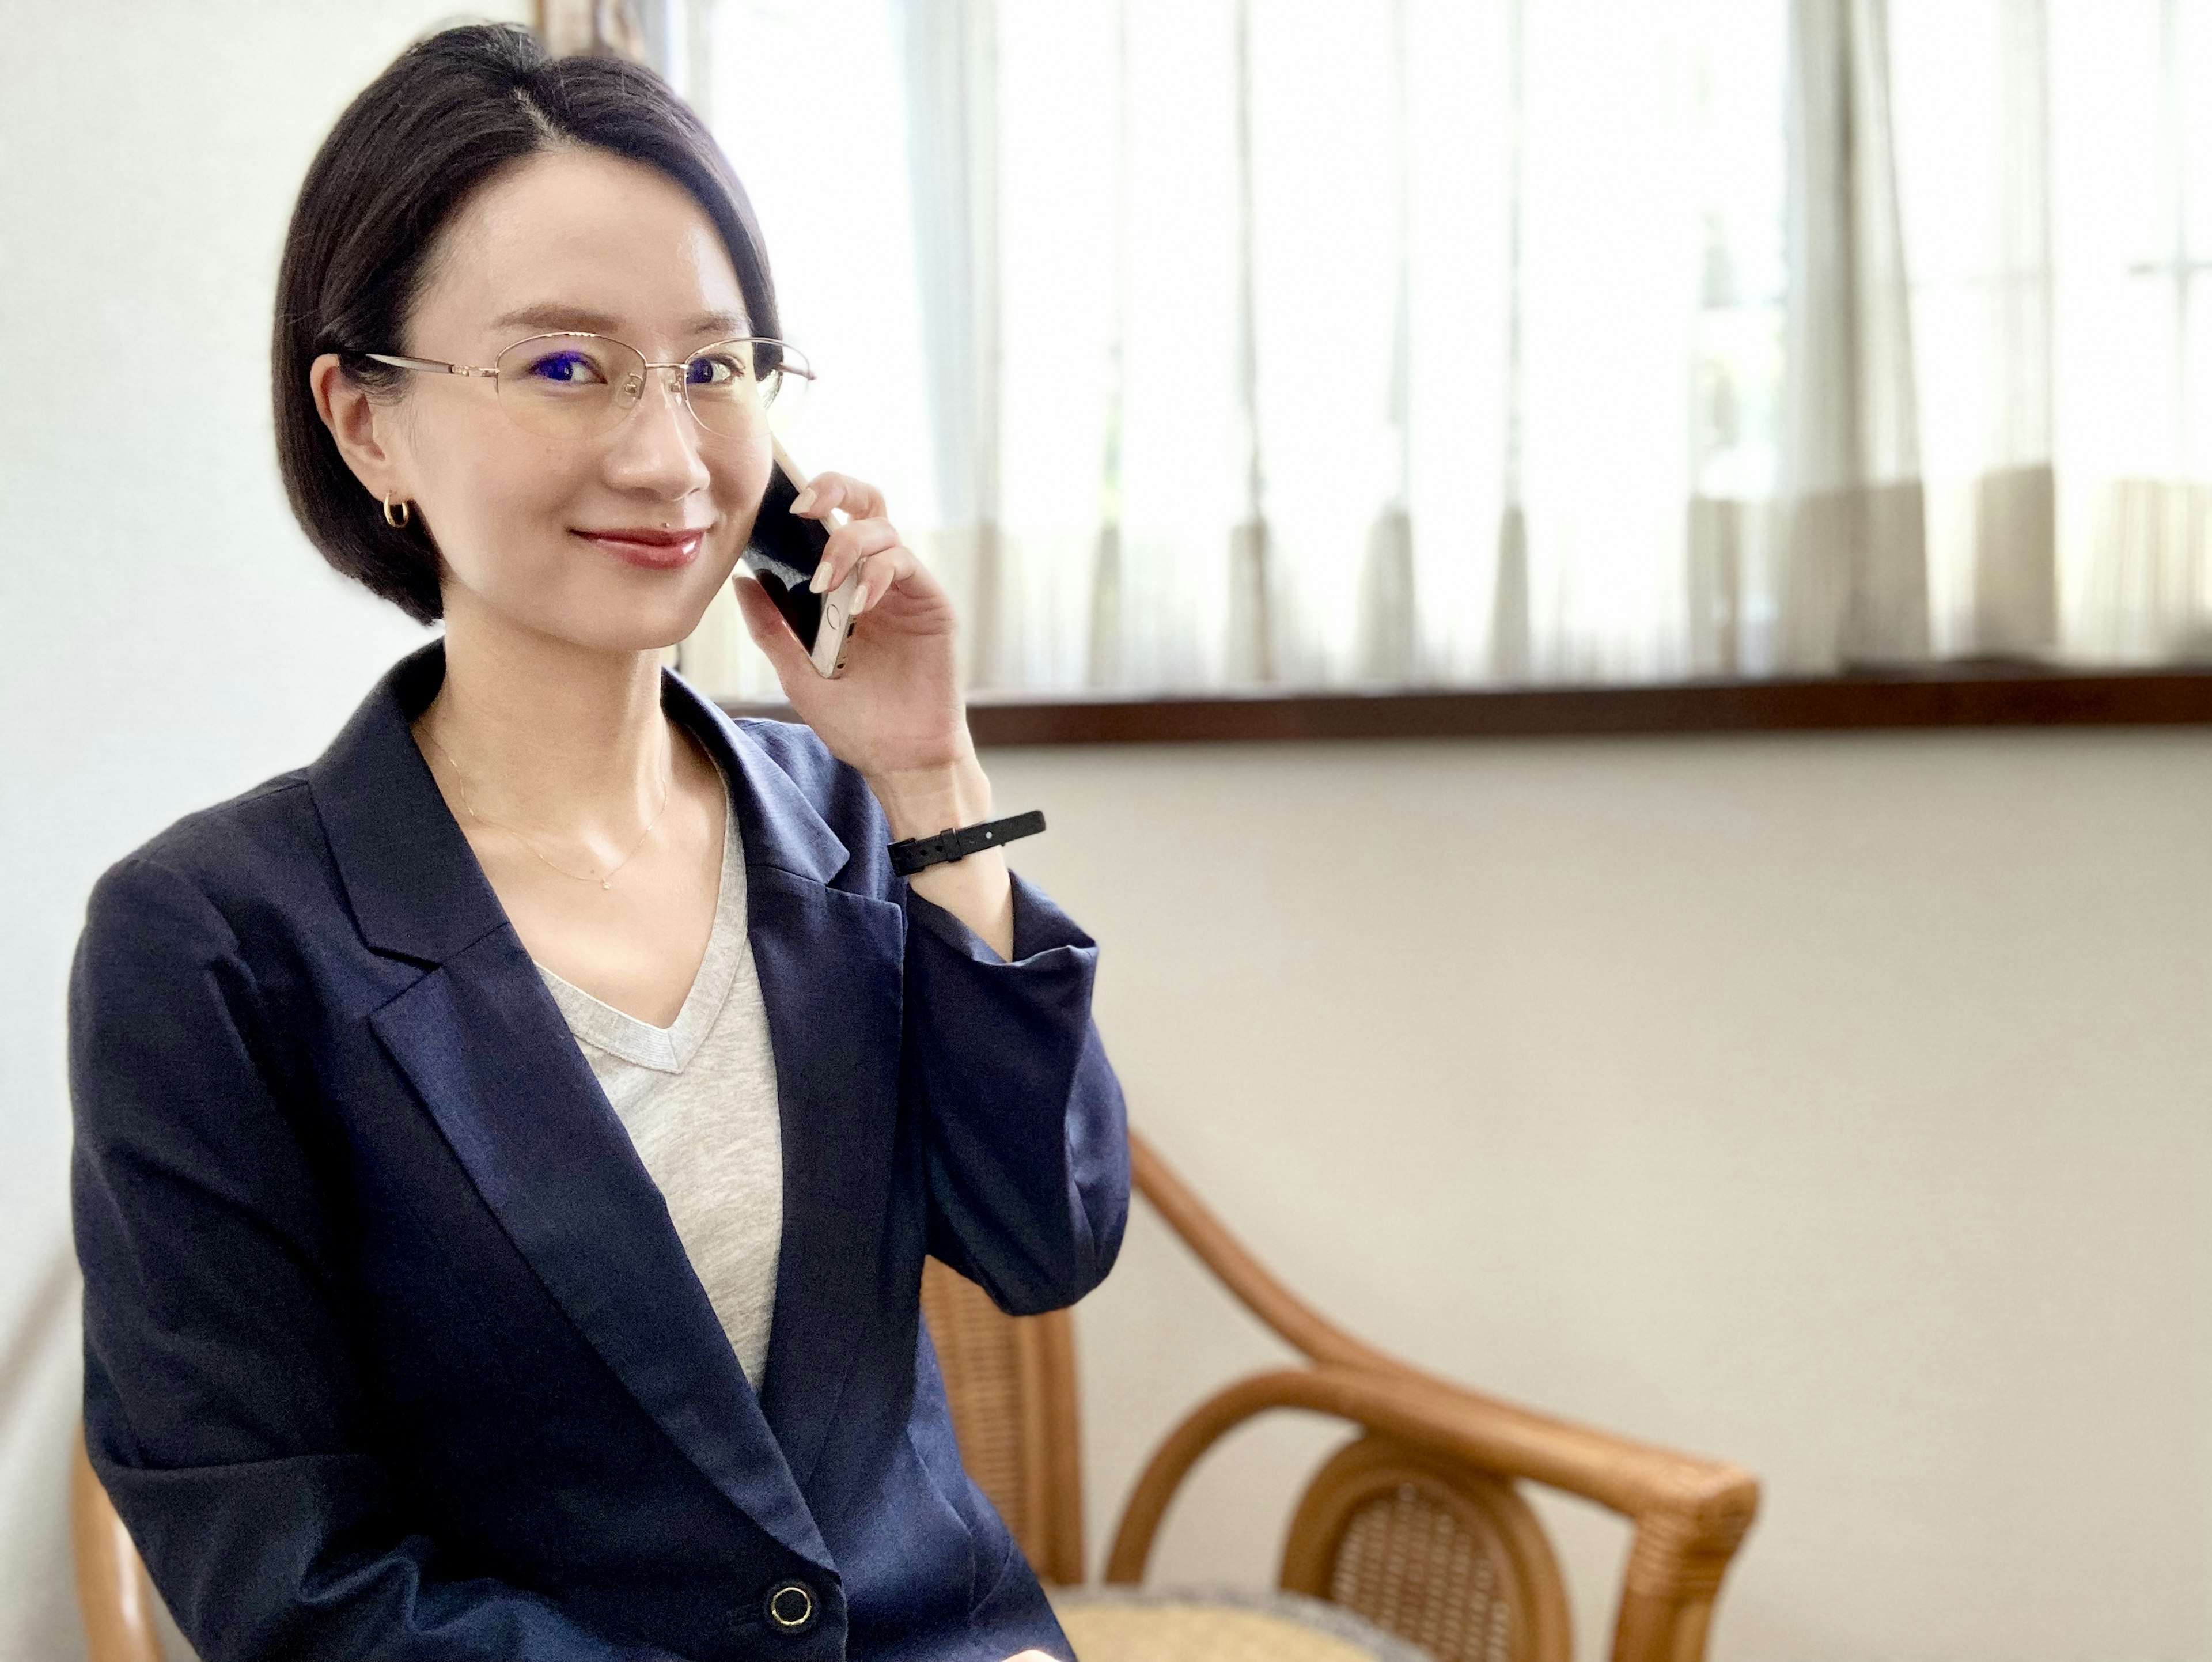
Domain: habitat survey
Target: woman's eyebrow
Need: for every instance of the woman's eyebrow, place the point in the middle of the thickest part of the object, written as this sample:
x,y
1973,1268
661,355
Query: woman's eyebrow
x,y
582,321
721,324
557,318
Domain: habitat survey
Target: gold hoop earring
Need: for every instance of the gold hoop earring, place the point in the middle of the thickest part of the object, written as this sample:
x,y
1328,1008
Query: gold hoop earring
x,y
397,515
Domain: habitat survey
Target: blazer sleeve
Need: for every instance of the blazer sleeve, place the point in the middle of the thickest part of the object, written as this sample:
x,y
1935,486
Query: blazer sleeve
x,y
221,1410
1026,1141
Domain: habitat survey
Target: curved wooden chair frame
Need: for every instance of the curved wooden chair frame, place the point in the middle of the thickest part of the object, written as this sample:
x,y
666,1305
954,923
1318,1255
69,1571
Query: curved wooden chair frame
x,y
1460,1452
1690,1514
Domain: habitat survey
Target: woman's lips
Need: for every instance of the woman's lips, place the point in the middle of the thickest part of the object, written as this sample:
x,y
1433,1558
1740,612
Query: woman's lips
x,y
651,547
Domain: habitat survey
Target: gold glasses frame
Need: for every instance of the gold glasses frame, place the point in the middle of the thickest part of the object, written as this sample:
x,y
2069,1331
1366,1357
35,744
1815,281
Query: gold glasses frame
x,y
625,396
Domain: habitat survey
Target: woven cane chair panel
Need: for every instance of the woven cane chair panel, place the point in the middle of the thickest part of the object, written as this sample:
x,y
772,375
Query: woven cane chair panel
x,y
1407,1564
981,1353
1444,1556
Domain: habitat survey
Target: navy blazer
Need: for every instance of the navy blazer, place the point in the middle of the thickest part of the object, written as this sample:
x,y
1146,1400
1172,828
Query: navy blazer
x,y
391,1349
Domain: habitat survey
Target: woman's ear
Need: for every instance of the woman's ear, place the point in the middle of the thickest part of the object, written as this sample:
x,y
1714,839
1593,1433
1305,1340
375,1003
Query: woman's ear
x,y
360,426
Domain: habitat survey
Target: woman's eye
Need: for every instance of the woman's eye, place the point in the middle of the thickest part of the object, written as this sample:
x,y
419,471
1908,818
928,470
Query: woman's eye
x,y
714,371
567,369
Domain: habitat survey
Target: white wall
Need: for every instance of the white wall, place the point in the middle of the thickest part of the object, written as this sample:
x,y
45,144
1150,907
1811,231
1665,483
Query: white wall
x,y
1832,1104
1836,1105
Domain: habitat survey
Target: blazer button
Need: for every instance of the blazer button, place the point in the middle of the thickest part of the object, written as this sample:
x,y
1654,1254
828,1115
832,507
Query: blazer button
x,y
790,1606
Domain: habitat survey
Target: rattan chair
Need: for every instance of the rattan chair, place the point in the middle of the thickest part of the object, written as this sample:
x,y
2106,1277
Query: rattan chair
x,y
1417,1525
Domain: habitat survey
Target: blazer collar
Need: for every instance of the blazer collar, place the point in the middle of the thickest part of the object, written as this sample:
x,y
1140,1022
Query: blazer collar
x,y
415,886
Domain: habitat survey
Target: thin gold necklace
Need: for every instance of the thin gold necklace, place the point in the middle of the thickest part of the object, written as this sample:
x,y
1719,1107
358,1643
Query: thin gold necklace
x,y
607,882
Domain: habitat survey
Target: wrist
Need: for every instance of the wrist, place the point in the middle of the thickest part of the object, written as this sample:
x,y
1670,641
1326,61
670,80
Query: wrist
x,y
923,801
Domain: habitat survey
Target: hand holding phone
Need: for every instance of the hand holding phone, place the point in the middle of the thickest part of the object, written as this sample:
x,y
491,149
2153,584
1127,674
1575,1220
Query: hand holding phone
x,y
783,553
897,711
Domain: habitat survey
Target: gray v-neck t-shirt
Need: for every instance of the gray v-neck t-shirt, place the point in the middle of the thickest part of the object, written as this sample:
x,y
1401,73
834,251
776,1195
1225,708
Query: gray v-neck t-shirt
x,y
698,1099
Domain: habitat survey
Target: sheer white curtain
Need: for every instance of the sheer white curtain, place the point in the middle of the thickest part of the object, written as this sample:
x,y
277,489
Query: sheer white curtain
x,y
824,158
2131,205
1220,343
2054,161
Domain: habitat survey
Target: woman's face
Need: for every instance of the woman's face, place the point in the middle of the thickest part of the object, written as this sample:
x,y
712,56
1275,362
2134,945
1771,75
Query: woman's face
x,y
616,541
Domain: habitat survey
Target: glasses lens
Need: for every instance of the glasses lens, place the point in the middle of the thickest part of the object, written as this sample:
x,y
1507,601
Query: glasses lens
x,y
568,385
741,387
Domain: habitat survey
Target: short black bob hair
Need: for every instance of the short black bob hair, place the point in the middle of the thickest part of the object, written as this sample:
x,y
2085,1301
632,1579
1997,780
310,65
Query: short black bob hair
x,y
452,111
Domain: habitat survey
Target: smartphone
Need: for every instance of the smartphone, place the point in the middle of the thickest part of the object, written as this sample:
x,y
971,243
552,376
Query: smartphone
x,y
783,553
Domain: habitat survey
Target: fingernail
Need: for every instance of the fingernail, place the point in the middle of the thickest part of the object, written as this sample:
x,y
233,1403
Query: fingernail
x,y
803,501
819,582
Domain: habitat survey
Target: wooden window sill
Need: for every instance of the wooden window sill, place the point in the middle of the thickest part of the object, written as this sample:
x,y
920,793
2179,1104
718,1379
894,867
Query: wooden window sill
x,y
2007,695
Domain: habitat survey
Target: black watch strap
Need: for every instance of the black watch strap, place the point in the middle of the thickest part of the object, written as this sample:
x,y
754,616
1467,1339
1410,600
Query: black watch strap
x,y
918,853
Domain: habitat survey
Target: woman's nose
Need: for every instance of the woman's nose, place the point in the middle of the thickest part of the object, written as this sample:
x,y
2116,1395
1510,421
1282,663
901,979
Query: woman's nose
x,y
658,443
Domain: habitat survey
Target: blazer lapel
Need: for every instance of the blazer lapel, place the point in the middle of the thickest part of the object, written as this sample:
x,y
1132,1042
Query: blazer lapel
x,y
830,963
486,1051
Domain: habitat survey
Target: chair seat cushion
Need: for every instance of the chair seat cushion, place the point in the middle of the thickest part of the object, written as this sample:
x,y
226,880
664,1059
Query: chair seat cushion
x,y
1130,1624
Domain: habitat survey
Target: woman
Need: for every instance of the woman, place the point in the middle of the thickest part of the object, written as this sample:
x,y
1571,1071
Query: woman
x,y
506,1149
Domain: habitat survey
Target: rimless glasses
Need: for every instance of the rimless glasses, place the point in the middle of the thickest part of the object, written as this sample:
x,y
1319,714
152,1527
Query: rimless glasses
x,y
581,386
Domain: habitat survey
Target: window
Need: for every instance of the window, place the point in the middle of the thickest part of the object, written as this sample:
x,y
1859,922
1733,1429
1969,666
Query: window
x,y
1207,344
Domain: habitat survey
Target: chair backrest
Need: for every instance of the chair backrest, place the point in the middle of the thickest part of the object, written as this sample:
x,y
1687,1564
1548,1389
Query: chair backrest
x,y
1425,1548
1011,1383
